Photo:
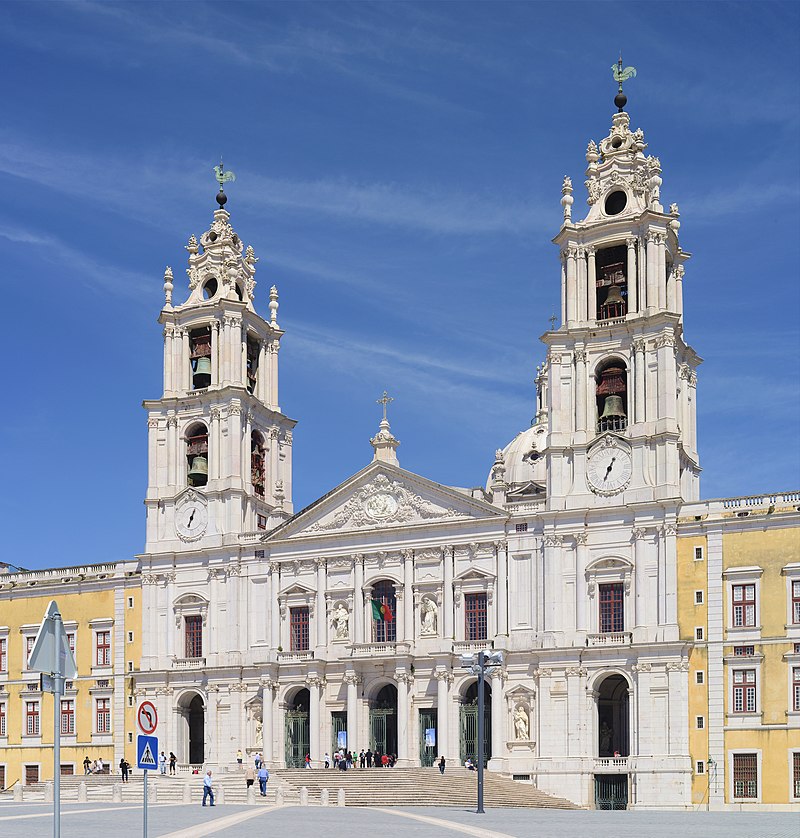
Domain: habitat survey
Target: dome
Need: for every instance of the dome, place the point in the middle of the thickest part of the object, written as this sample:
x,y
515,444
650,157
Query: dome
x,y
523,461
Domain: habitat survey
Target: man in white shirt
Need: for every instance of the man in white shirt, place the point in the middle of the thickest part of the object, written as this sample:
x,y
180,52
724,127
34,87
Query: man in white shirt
x,y
208,791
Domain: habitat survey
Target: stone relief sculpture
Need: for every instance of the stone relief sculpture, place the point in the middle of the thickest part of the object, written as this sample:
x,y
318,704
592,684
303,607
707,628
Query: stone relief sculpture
x,y
341,622
428,612
521,727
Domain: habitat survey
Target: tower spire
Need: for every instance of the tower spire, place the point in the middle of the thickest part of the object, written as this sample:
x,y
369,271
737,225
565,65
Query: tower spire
x,y
384,442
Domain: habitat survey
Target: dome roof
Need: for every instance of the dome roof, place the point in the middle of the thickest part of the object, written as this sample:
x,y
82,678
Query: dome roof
x,y
522,456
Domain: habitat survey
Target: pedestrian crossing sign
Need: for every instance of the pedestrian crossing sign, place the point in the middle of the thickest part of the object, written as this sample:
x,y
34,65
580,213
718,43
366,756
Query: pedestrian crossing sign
x,y
146,751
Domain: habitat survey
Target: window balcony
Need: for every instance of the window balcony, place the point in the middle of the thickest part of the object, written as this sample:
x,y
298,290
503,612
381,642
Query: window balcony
x,y
611,765
466,647
295,657
610,638
379,650
188,663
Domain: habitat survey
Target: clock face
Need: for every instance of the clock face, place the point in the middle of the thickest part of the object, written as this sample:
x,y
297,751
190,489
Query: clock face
x,y
609,470
380,505
191,520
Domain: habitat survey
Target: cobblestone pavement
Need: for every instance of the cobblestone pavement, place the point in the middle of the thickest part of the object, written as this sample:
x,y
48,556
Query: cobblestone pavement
x,y
182,821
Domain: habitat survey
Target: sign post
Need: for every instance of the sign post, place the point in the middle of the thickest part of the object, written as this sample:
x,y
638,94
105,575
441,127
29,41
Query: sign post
x,y
52,657
146,747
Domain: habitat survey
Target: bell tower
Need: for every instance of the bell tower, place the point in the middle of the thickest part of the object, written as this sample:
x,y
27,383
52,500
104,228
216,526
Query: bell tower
x,y
219,447
620,381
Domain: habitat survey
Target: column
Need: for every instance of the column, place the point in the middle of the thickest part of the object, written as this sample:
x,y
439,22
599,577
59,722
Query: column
x,y
314,684
498,717
652,270
263,373
235,441
351,679
408,595
591,282
274,606
224,352
322,615
661,241
552,590
243,369
274,457
403,680
671,573
247,471
443,680
400,614
581,301
582,549
172,450
639,373
665,344
639,577
168,358
502,587
447,558
267,720
215,376
641,274
572,292
358,598
632,278
563,286
678,273
367,614
182,359
273,374
581,416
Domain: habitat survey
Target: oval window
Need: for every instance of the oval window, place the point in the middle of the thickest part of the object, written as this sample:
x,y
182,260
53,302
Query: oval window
x,y
616,202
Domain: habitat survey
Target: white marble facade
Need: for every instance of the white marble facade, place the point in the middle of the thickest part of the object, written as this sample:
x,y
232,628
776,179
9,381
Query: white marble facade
x,y
573,509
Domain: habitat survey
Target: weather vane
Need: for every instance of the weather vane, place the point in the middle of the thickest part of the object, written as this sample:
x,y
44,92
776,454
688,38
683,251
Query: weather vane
x,y
385,399
222,177
620,76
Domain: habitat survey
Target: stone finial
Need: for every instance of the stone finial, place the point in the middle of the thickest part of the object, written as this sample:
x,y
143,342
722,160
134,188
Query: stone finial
x,y
168,286
273,306
192,246
250,256
384,442
280,496
566,198
674,222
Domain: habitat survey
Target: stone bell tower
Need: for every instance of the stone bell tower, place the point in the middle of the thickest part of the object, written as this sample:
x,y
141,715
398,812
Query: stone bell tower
x,y
219,447
620,381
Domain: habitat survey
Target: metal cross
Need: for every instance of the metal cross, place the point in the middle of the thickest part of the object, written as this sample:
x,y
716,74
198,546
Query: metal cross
x,y
384,400
552,319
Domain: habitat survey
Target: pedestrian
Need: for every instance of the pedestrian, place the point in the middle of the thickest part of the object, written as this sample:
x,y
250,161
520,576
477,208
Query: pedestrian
x,y
342,764
239,758
173,761
308,761
362,758
327,760
368,757
123,769
263,778
384,760
162,763
208,791
100,766
257,760
250,776
87,765
441,765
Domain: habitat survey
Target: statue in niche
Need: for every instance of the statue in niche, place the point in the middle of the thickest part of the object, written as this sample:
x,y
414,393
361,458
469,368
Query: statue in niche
x,y
428,613
259,734
521,726
341,622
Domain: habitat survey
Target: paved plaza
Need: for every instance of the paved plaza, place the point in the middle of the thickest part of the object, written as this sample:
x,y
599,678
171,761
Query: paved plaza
x,y
192,821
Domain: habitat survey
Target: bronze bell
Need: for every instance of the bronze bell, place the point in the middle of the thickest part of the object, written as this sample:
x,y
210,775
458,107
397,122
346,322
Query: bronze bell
x,y
613,407
198,473
614,297
202,372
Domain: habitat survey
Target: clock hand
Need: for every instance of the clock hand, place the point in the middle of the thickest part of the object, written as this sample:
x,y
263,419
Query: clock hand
x,y
191,517
610,466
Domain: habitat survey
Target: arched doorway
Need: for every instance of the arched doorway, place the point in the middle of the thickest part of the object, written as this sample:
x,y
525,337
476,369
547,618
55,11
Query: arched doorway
x,y
613,734
192,734
383,721
468,723
297,729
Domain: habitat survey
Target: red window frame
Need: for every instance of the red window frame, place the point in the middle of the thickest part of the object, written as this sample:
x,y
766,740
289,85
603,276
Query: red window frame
x,y
744,691
32,718
67,717
103,715
193,635
796,774
476,619
298,628
796,688
743,604
611,602
744,651
745,776
795,601
3,654
385,631
103,648
2,719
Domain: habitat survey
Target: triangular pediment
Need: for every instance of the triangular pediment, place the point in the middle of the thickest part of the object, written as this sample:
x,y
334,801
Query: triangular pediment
x,y
297,588
383,496
473,574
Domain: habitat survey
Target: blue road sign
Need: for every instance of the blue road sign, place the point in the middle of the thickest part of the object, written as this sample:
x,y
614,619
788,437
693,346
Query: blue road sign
x,y
147,752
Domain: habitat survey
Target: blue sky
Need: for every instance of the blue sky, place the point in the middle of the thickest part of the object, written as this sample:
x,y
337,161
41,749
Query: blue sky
x,y
399,169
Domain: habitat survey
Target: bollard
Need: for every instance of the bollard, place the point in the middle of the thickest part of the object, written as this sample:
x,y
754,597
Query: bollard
x,y
304,796
116,793
18,793
251,795
187,793
82,793
48,792
278,796
220,794
324,797
152,793
340,798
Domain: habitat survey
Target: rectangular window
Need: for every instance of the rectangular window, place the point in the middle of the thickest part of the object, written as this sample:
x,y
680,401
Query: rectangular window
x,y
698,554
67,770
796,688
103,715
796,775
2,776
744,651
2,719
700,722
71,642
475,617
699,634
130,738
698,597
612,613
744,605
32,718
194,636
130,637
700,767
520,528
3,654
298,618
700,677
745,775
103,648
29,641
744,691
68,717
261,522
31,775
130,602
796,601
130,666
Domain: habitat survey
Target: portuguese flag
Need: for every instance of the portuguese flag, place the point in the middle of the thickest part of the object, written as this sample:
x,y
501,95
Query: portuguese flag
x,y
381,611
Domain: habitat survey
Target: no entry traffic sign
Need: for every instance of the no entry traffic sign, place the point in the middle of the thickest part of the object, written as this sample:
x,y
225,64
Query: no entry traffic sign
x,y
147,718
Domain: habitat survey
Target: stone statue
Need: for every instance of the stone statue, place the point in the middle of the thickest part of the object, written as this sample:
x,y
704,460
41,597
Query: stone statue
x,y
428,612
521,729
341,622
606,733
259,734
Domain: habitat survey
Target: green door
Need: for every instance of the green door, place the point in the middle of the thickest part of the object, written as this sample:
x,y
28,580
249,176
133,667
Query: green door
x,y
338,723
383,730
468,733
296,738
427,721
611,791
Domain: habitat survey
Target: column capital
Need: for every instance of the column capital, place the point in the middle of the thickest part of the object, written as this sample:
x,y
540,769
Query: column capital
x,y
553,540
403,677
582,538
631,242
639,533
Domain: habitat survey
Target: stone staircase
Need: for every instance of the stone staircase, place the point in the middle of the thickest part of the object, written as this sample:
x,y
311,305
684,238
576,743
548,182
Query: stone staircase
x,y
363,787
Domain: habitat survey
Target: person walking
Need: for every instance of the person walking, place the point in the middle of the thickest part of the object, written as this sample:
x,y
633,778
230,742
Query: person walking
x,y
240,758
87,765
257,760
100,766
250,775
327,760
162,763
173,761
263,778
441,765
208,790
123,769
308,760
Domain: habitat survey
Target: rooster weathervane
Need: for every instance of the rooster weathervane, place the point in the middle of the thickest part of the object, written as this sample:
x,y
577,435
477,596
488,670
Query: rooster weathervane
x,y
621,75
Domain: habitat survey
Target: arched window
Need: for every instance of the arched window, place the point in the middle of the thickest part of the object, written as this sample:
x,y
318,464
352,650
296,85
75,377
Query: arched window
x,y
612,282
197,455
384,607
253,352
200,357
257,470
611,394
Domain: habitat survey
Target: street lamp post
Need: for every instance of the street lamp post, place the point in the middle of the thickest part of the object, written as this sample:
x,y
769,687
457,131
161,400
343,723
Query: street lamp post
x,y
479,665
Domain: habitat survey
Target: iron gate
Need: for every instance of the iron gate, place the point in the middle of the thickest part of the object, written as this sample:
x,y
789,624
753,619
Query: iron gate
x,y
427,753
611,791
338,723
468,729
379,721
296,738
